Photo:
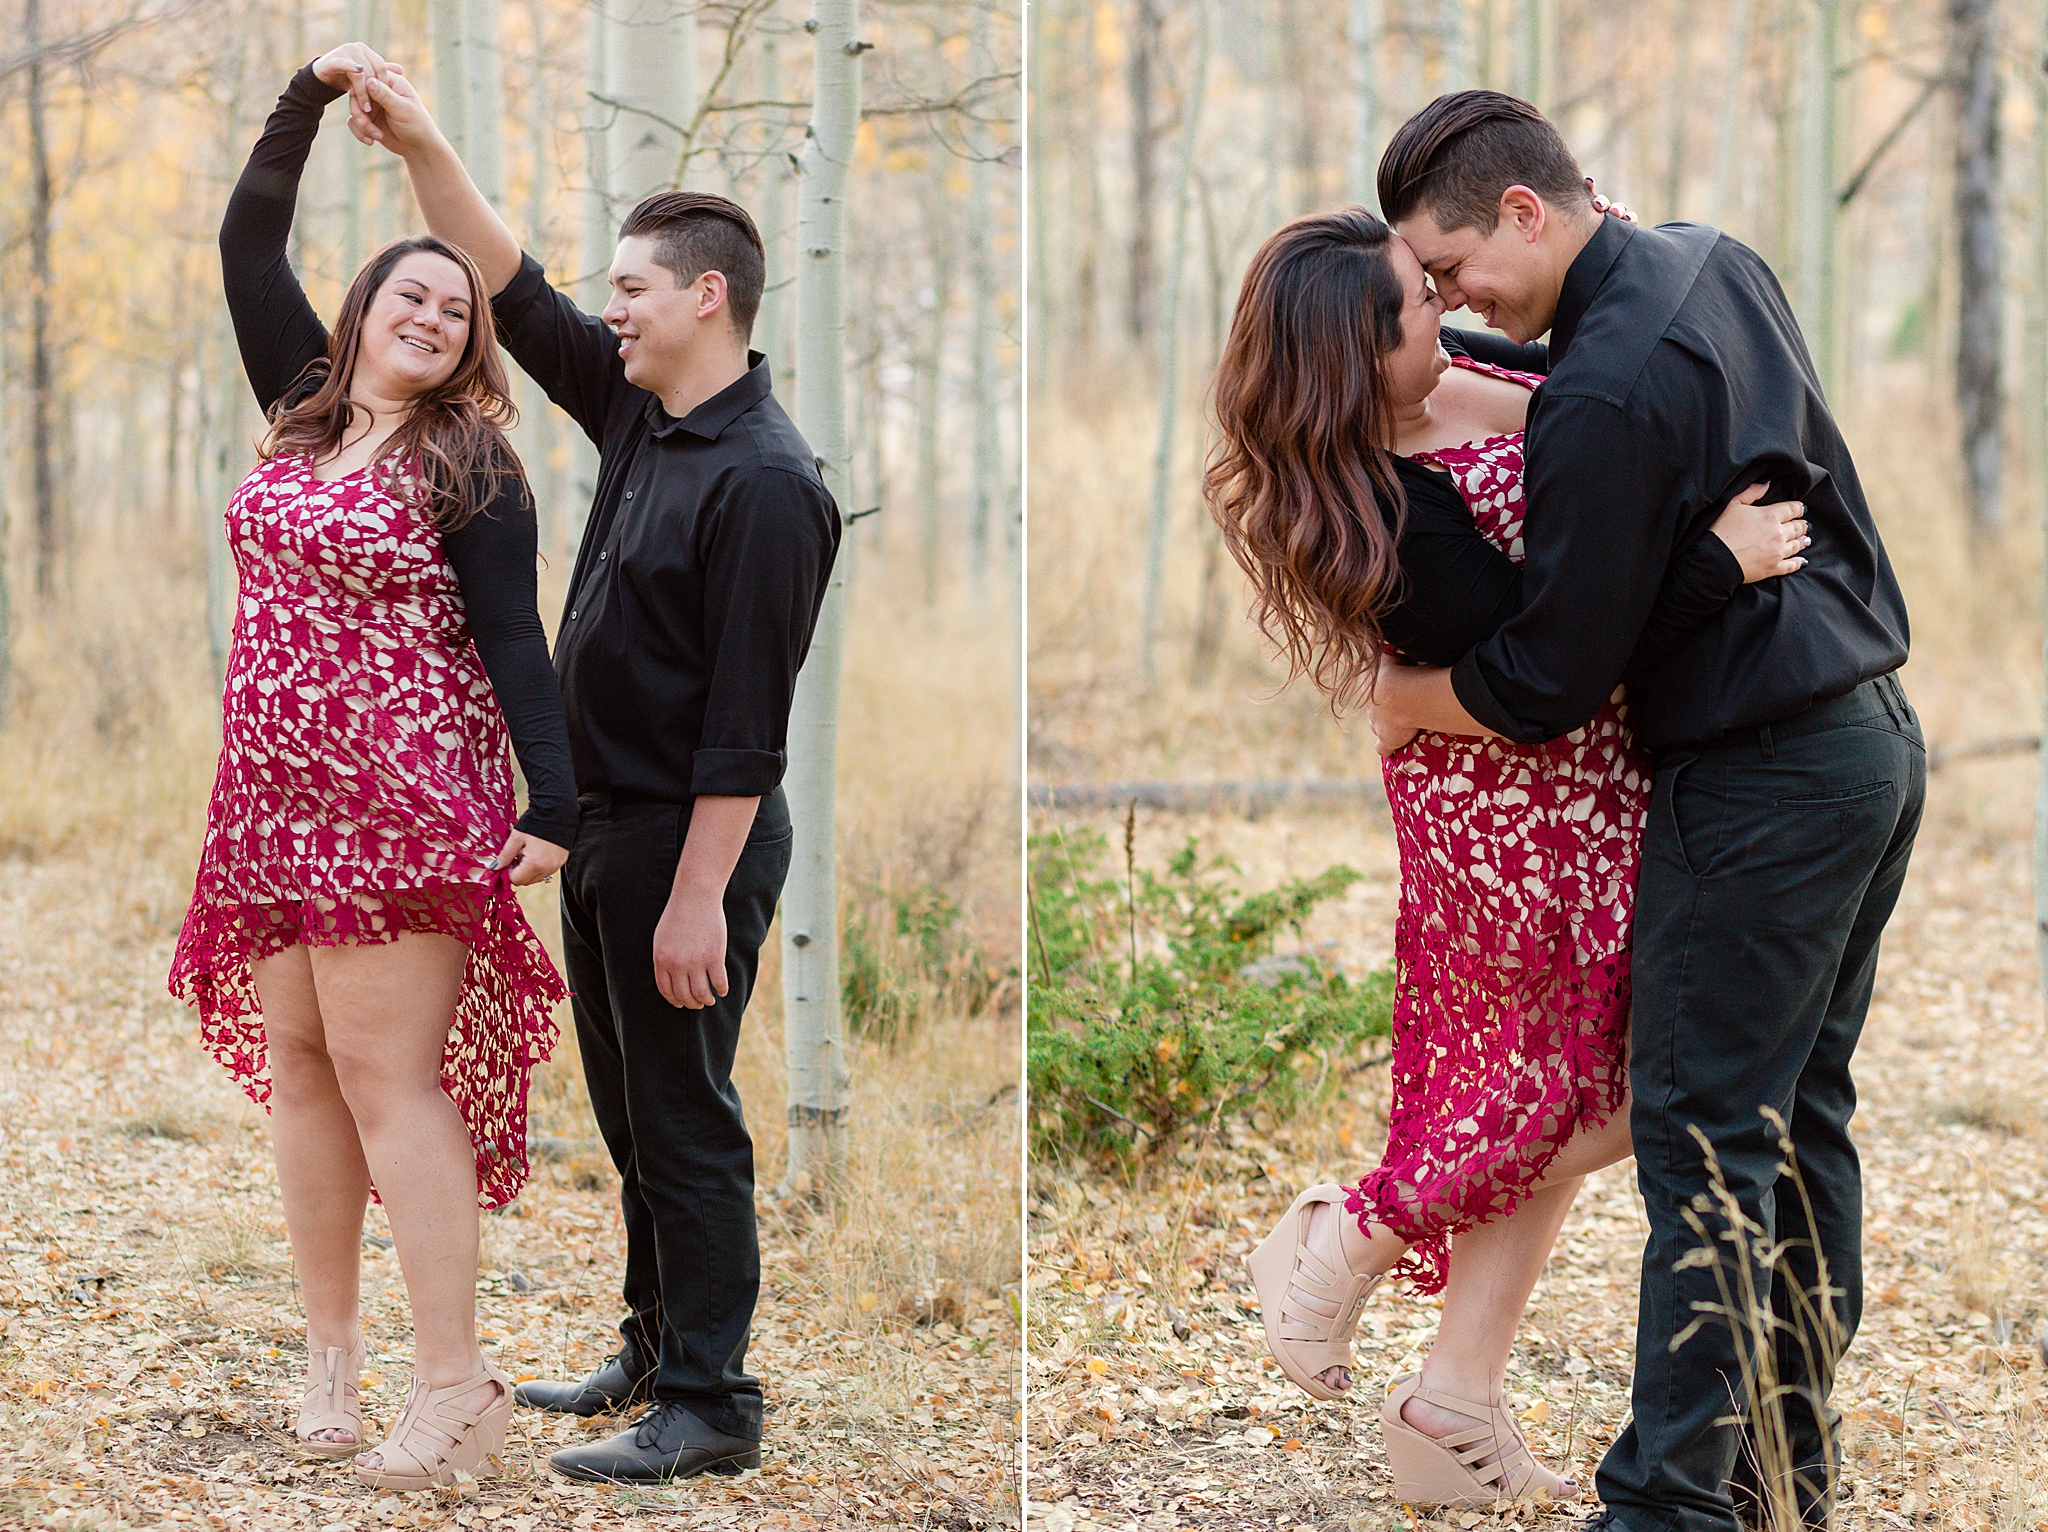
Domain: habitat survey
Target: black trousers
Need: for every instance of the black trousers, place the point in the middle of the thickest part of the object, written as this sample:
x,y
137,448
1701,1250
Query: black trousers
x,y
1769,869
660,1082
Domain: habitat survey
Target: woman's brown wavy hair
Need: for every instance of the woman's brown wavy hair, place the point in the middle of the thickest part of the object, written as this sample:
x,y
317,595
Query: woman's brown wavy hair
x,y
1300,480
452,443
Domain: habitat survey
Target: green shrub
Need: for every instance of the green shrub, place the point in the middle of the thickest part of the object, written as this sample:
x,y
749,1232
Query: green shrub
x,y
1156,1002
904,957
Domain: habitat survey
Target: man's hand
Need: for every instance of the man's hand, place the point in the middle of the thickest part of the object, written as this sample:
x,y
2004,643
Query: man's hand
x,y
1408,699
1390,733
689,950
689,943
528,859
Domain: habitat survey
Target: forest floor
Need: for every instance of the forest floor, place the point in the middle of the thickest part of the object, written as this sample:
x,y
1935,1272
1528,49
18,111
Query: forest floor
x,y
1131,1426
151,1346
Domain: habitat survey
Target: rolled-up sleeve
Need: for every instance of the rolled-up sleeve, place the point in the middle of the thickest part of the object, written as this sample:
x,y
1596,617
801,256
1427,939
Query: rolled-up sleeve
x,y
768,551
1597,542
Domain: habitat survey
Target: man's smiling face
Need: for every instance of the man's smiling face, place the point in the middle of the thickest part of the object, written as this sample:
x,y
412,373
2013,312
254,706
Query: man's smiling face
x,y
1508,278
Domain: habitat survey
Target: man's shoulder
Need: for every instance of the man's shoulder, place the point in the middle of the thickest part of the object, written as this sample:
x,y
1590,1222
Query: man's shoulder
x,y
775,447
1660,276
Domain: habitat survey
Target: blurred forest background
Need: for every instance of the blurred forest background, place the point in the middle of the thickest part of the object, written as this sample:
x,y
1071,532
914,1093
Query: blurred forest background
x,y
1890,159
125,424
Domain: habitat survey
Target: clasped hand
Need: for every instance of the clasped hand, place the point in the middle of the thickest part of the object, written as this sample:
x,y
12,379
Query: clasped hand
x,y
383,107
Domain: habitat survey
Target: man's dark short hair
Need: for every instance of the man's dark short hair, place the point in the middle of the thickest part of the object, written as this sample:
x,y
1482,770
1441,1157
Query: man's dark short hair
x,y
1458,154
696,232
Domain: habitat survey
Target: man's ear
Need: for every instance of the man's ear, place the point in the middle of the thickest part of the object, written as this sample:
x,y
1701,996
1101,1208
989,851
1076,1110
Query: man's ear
x,y
1526,211
711,293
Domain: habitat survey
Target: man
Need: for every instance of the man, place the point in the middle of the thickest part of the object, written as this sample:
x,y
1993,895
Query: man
x,y
1790,771
691,607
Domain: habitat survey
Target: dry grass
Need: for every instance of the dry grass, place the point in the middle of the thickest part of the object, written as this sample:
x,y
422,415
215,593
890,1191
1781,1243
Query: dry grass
x,y
148,1328
1942,1391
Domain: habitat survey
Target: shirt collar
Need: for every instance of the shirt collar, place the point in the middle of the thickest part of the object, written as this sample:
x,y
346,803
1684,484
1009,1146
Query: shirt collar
x,y
709,419
1582,281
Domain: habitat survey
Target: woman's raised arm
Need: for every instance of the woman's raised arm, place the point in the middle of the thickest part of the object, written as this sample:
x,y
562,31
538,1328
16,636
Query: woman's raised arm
x,y
275,326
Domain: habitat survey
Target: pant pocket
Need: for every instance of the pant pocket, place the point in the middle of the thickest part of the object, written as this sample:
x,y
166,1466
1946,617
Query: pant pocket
x,y
1694,814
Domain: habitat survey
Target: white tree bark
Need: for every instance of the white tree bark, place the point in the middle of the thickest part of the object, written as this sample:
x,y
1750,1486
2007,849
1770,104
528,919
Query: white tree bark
x,y
1362,37
931,514
651,77
1536,52
483,70
772,329
595,241
813,1036
447,26
987,477
2040,414
1734,97
1169,343
355,179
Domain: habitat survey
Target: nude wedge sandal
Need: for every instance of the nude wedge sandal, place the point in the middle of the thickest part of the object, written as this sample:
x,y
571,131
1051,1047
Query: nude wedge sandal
x,y
332,1401
1309,1300
1482,1465
435,1439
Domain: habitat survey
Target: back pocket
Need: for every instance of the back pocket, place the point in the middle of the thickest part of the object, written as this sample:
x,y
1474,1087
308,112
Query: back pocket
x,y
1841,797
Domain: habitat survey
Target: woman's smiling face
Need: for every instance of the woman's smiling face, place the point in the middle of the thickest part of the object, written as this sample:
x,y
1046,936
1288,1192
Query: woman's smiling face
x,y
1413,367
415,329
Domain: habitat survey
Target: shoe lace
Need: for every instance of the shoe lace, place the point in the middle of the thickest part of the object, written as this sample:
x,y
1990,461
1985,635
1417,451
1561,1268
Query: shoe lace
x,y
652,1426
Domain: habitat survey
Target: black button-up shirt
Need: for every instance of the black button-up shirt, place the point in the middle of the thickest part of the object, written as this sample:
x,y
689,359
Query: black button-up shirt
x,y
702,568
1678,377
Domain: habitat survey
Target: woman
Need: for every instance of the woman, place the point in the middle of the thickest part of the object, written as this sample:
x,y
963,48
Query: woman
x,y
1369,482
354,946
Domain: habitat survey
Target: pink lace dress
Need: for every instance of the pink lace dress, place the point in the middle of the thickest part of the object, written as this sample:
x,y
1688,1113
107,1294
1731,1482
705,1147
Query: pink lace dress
x,y
1518,875
365,780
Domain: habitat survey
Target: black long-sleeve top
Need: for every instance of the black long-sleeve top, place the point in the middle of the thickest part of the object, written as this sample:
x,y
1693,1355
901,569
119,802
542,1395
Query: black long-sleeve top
x,y
1677,377
702,570
495,554
1459,589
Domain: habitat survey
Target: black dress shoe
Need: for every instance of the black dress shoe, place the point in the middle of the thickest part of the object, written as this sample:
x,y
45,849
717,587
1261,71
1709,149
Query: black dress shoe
x,y
614,1386
667,1443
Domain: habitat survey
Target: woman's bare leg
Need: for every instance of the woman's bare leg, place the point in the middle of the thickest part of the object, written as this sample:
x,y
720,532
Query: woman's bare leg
x,y
1494,1268
388,1008
320,1168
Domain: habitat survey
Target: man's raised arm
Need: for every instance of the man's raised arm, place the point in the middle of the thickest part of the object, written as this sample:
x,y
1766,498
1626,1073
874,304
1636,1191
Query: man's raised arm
x,y
454,209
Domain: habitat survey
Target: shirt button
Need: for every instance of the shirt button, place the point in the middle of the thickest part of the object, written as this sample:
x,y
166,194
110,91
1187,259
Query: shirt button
x,y
629,494
603,555
572,616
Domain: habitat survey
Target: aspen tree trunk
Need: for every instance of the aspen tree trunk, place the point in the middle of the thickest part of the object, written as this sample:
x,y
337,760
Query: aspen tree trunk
x,y
650,72
2039,350
1536,52
1273,87
1454,40
42,366
447,29
483,83
355,178
931,511
1144,52
1728,130
537,416
1362,38
1169,336
772,329
1980,330
987,460
1816,226
812,1031
594,245
219,409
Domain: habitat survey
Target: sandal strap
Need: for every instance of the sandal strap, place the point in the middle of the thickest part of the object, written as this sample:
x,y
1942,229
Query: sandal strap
x,y
431,1414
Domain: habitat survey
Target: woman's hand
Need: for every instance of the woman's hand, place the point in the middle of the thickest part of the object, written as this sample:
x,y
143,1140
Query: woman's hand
x,y
527,859
1610,209
351,67
1767,540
